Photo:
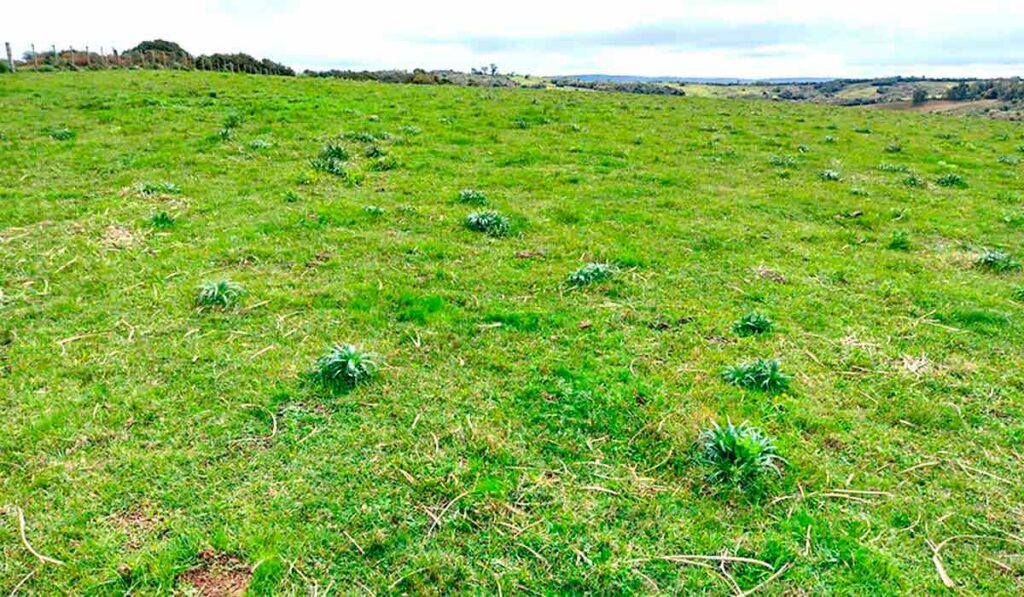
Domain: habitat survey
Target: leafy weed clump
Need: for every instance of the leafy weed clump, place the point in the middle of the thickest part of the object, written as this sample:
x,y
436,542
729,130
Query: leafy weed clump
x,y
221,294
384,163
1017,294
334,151
760,374
591,273
894,147
472,197
899,241
753,324
361,137
782,161
913,181
162,221
62,134
830,175
258,144
345,366
148,189
887,167
951,180
738,454
996,261
490,223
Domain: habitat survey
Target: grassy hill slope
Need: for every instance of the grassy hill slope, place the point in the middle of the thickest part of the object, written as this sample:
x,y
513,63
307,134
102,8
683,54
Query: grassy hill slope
x,y
522,434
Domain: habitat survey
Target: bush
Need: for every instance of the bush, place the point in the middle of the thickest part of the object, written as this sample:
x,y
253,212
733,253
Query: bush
x,y
752,324
738,454
830,175
996,261
221,294
759,374
472,197
913,181
590,273
344,366
490,223
919,97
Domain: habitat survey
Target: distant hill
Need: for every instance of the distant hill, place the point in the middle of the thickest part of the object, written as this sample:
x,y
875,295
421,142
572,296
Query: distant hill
x,y
707,80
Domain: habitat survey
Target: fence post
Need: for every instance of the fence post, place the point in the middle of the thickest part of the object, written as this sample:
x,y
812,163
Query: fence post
x,y
10,57
35,57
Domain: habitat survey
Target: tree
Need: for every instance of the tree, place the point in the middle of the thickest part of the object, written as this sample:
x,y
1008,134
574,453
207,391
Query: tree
x,y
920,96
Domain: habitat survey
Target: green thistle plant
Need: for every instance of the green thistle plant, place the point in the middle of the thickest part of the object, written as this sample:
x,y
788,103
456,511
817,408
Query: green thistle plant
x,y
760,374
996,261
951,181
490,223
472,197
344,365
752,324
591,273
221,294
738,453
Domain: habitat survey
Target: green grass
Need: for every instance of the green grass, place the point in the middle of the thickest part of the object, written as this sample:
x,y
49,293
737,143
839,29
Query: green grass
x,y
518,434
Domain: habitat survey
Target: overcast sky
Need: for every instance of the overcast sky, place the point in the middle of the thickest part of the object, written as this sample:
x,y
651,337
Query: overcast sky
x,y
704,38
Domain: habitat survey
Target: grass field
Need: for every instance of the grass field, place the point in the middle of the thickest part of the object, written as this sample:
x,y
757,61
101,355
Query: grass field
x,y
522,435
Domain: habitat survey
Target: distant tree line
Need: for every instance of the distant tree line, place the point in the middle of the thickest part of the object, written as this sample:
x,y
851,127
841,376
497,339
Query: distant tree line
x,y
639,87
420,77
156,54
1002,89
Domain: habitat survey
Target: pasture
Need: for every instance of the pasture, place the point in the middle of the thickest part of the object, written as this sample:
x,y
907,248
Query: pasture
x,y
179,253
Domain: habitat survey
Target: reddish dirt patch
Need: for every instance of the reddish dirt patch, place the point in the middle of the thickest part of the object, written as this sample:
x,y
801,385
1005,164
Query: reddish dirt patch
x,y
137,523
217,575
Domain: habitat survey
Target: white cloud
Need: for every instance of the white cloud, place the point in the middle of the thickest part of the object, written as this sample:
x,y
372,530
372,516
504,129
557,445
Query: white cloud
x,y
742,38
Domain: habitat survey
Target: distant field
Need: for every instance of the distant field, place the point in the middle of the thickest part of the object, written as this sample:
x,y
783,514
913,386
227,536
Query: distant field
x,y
523,435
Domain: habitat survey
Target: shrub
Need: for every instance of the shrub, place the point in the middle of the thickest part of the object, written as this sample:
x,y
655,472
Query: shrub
x,y
738,453
752,324
258,144
62,134
373,210
472,197
590,273
951,180
899,241
996,261
1018,294
919,96
221,294
162,221
343,366
759,374
894,147
830,175
490,223
375,151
